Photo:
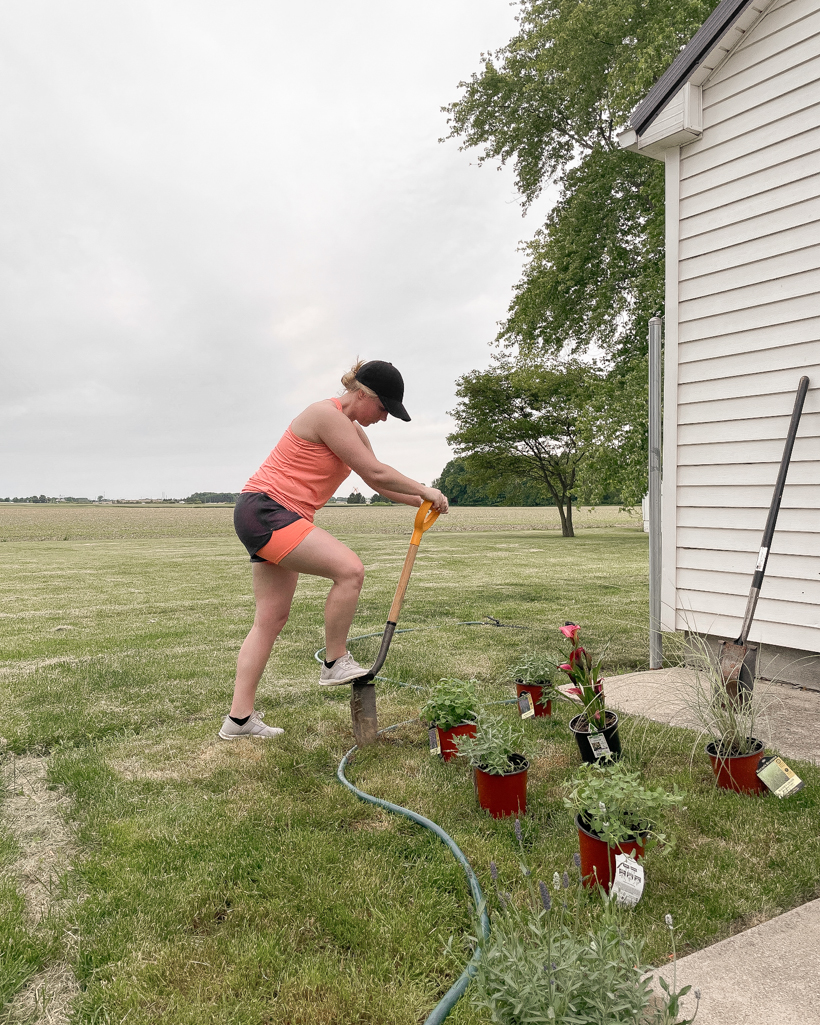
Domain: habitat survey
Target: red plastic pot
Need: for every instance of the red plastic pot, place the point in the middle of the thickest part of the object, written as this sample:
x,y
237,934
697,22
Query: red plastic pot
x,y
535,691
446,738
503,795
598,858
737,772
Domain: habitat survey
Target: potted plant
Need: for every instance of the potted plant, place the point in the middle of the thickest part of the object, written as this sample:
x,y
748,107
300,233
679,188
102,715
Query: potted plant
x,y
730,718
451,709
533,676
614,814
499,767
545,958
596,728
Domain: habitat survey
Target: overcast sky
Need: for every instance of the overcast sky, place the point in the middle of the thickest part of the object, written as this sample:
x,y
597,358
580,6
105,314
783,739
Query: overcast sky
x,y
209,208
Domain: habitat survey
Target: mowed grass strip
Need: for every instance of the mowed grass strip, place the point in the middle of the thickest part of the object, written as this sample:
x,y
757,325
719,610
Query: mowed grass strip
x,y
239,882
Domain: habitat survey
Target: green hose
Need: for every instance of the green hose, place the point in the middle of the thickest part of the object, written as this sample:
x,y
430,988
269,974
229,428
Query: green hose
x,y
456,991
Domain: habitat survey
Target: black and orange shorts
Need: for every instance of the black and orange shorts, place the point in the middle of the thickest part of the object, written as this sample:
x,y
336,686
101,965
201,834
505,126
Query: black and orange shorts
x,y
267,529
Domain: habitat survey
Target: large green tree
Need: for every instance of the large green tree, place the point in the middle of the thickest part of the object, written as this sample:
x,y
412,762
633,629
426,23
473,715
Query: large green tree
x,y
545,424
552,102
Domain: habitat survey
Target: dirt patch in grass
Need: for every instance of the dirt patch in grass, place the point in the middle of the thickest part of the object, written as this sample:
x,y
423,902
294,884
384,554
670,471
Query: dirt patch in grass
x,y
45,1000
33,813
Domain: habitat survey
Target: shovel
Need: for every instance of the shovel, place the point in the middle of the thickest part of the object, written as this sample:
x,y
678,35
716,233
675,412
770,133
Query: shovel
x,y
736,659
363,693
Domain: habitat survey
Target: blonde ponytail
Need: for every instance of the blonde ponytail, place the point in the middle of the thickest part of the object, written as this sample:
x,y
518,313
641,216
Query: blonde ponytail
x,y
351,384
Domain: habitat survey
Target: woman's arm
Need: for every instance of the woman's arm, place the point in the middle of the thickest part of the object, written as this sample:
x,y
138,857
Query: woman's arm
x,y
349,442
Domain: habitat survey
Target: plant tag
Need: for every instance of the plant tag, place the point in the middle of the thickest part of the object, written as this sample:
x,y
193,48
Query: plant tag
x,y
778,777
435,743
525,705
600,748
627,886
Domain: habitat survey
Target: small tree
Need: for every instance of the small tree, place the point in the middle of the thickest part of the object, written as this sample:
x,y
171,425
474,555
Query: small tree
x,y
530,422
356,499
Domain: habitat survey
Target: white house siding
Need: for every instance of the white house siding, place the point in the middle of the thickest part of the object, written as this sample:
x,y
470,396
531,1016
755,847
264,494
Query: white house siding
x,y
748,327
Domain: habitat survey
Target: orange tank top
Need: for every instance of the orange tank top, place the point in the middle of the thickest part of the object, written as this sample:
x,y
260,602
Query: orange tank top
x,y
300,475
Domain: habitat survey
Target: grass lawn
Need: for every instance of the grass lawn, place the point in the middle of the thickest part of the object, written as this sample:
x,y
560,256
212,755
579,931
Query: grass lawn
x,y
240,883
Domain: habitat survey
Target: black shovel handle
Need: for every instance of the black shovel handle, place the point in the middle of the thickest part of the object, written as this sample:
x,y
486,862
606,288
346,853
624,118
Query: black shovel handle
x,y
774,509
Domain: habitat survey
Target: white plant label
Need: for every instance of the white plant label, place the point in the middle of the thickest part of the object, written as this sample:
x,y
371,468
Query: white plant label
x,y
600,748
435,743
627,886
525,705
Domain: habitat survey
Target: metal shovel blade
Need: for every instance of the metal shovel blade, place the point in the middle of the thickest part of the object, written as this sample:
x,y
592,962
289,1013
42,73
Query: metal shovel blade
x,y
736,666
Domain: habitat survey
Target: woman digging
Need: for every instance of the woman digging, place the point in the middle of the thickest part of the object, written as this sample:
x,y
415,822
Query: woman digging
x,y
274,520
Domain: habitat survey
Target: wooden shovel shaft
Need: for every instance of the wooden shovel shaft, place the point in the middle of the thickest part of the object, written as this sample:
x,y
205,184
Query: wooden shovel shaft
x,y
425,518
768,532
404,580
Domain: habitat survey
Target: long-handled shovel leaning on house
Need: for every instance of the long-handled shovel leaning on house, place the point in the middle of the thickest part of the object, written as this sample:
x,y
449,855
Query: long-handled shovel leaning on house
x,y
363,692
736,659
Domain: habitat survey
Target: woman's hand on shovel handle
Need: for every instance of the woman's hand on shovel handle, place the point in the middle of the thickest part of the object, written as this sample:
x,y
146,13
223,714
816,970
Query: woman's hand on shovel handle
x,y
440,503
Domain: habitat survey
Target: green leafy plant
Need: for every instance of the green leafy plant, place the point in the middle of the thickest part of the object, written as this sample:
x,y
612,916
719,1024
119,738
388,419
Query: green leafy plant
x,y
559,954
614,804
538,671
451,703
495,743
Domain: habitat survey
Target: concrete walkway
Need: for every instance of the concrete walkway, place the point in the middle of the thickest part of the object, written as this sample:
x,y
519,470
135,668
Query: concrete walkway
x,y
770,974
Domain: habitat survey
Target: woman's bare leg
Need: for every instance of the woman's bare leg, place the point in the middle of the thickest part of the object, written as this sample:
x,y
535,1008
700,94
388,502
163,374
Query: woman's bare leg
x,y
273,588
321,555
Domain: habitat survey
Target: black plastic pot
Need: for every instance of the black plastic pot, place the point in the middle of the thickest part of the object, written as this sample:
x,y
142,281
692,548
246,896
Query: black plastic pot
x,y
582,733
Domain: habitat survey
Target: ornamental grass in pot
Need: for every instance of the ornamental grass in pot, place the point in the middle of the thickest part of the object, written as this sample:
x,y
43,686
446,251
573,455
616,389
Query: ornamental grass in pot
x,y
499,766
596,728
533,675
730,719
614,814
451,709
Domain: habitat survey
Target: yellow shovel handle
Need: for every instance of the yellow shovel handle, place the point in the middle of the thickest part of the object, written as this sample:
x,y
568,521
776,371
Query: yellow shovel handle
x,y
425,518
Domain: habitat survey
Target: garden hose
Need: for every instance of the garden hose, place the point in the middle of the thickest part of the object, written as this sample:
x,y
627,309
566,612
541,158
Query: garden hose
x,y
457,990
459,987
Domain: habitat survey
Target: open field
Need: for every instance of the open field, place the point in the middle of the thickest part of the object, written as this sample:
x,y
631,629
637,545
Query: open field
x,y
127,522
156,874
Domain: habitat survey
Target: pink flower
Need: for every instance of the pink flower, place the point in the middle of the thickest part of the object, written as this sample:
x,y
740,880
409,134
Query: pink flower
x,y
576,656
566,667
570,631
575,690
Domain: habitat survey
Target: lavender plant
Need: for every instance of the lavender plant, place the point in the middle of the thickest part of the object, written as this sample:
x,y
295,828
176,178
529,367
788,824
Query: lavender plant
x,y
495,743
548,960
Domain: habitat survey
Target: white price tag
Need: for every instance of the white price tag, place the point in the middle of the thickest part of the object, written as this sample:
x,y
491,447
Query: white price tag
x,y
627,886
600,748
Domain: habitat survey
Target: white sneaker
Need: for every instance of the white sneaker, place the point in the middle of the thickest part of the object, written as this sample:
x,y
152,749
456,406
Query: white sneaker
x,y
254,727
344,670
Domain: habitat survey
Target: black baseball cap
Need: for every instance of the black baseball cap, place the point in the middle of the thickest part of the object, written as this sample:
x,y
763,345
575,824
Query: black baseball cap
x,y
387,383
